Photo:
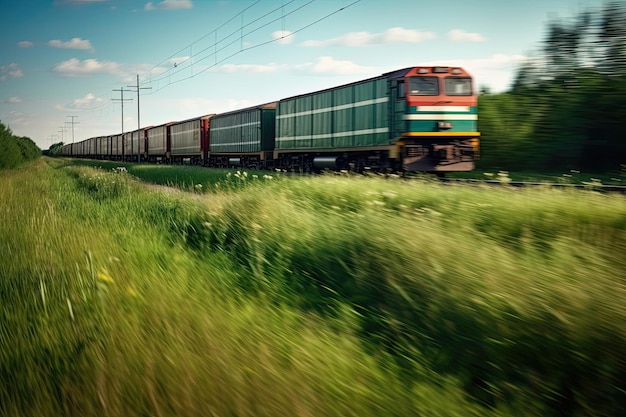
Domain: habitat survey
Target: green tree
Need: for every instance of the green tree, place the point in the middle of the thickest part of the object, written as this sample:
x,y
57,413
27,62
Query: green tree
x,y
15,150
55,149
567,104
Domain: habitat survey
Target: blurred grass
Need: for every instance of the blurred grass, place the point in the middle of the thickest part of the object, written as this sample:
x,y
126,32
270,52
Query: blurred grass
x,y
307,296
185,177
568,177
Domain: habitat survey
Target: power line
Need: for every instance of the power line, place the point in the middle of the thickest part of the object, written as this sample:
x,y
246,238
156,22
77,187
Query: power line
x,y
206,35
122,100
105,104
73,123
138,119
188,62
236,40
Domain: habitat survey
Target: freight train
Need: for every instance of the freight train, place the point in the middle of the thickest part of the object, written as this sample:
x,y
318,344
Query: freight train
x,y
415,119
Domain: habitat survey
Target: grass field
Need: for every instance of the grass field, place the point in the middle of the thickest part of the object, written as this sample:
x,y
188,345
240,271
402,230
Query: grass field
x,y
248,294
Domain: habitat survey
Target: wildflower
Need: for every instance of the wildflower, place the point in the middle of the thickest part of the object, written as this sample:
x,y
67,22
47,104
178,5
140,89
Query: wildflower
x,y
104,276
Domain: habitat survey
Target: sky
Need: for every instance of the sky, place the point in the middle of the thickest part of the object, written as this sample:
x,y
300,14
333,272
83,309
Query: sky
x,y
64,62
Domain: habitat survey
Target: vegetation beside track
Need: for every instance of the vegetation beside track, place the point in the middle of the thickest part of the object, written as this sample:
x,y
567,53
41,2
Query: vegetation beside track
x,y
15,150
306,296
564,109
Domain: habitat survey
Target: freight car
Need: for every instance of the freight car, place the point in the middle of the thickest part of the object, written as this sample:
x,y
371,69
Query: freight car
x,y
243,137
414,119
189,140
158,147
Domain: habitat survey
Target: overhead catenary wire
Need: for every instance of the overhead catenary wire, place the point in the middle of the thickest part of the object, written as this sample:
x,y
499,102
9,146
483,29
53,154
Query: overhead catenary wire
x,y
197,57
111,106
237,40
206,35
179,68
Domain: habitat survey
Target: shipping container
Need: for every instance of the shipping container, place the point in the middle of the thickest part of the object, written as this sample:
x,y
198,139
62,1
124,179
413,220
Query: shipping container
x,y
247,131
350,116
158,142
137,144
116,146
93,144
104,148
128,145
189,138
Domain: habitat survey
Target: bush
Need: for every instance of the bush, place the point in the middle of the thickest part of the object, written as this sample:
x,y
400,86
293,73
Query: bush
x,y
14,150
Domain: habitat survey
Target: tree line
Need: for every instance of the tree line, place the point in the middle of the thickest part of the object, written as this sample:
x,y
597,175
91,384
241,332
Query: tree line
x,y
15,150
567,105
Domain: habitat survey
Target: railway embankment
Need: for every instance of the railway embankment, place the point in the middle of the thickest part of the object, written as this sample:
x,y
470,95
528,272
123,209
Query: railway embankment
x,y
258,294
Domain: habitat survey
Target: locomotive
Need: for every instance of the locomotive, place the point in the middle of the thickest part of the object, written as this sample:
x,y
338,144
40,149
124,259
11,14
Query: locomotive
x,y
415,119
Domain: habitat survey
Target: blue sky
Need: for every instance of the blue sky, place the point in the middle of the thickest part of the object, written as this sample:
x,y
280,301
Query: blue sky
x,y
61,58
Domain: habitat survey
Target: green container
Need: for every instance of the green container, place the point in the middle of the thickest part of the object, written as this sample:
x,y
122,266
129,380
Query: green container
x,y
350,116
250,130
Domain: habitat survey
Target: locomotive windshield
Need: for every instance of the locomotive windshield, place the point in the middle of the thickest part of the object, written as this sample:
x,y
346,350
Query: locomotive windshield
x,y
424,86
458,86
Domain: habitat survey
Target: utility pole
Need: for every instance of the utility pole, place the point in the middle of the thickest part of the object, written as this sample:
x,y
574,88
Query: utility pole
x,y
138,120
62,131
73,123
122,100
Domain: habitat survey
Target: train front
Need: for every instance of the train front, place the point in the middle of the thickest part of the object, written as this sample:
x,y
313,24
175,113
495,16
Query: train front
x,y
438,127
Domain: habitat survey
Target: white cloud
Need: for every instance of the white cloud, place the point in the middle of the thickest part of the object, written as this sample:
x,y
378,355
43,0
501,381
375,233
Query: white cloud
x,y
169,5
77,68
19,119
176,61
75,43
496,71
459,35
283,37
88,102
329,65
324,65
25,44
10,71
496,61
14,100
356,39
251,68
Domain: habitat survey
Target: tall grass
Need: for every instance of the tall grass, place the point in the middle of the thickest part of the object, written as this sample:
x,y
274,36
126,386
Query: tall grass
x,y
518,293
307,296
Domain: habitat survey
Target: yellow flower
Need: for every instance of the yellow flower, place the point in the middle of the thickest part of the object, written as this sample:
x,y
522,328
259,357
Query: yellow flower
x,y
104,276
